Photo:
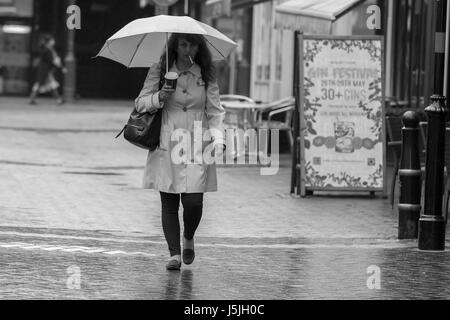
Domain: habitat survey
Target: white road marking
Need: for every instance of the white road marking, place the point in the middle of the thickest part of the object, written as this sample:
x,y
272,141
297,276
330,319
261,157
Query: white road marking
x,y
29,247
10,245
72,249
313,246
142,254
363,244
83,249
46,247
115,252
94,250
58,236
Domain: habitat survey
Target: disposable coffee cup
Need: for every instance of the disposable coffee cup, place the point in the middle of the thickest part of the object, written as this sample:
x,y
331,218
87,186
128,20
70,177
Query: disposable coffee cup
x,y
171,80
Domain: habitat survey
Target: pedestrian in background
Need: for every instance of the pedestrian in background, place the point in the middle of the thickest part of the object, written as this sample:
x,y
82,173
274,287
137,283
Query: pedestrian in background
x,y
196,98
48,61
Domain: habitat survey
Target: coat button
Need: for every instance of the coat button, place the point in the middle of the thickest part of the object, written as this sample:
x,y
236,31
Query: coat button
x,y
184,109
184,91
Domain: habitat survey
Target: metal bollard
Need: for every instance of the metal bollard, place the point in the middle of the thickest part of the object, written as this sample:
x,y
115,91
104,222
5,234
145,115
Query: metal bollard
x,y
432,223
410,178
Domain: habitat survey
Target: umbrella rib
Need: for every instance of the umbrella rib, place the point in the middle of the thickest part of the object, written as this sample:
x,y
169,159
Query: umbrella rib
x,y
137,48
106,46
109,49
215,48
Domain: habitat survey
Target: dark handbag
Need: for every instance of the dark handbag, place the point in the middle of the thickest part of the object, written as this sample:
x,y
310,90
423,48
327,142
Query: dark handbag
x,y
143,129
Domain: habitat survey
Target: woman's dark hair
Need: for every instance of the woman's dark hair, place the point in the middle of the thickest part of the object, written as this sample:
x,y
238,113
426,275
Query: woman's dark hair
x,y
203,57
45,39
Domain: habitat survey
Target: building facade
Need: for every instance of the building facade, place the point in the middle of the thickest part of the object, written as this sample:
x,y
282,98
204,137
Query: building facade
x,y
234,19
16,36
411,43
272,70
408,27
24,22
262,65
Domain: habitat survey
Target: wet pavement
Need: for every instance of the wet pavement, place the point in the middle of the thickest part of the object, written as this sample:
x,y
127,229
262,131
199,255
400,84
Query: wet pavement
x,y
76,225
84,267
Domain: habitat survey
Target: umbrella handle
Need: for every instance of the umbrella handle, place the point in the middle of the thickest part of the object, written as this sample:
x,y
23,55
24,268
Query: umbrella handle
x,y
167,53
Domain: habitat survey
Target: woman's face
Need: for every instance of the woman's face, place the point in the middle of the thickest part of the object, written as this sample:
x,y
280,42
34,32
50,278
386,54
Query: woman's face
x,y
186,49
50,43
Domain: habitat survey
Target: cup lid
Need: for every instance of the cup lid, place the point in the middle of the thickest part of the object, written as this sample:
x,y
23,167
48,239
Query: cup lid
x,y
171,75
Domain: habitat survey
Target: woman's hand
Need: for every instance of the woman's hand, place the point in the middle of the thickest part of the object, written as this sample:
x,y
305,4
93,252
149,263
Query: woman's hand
x,y
219,149
165,93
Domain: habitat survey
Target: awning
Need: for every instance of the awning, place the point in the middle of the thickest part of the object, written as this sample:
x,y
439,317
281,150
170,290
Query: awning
x,y
242,4
216,8
311,16
232,4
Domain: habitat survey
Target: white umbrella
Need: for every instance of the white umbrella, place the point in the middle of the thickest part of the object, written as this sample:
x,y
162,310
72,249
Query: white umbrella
x,y
140,42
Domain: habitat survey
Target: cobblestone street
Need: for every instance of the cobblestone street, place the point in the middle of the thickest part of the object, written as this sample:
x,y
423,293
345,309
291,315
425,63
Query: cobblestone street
x,y
71,202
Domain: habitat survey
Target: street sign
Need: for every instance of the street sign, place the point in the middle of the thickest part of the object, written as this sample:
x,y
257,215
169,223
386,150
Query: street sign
x,y
164,3
218,8
342,113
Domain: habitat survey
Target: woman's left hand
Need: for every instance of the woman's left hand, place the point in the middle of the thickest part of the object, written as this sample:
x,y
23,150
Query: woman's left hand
x,y
219,148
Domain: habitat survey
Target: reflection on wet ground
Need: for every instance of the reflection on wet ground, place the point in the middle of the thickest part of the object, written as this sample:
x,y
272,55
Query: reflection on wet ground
x,y
179,285
227,273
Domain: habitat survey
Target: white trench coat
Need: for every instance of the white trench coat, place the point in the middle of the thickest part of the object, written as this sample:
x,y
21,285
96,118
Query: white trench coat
x,y
190,102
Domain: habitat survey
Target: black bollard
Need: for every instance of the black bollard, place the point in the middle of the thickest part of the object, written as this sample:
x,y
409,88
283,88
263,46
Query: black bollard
x,y
410,178
432,223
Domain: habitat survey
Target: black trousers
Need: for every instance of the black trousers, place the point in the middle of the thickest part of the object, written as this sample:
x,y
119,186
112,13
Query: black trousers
x,y
192,213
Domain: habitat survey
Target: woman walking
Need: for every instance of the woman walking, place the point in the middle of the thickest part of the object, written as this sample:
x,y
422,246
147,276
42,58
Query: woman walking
x,y
49,61
194,102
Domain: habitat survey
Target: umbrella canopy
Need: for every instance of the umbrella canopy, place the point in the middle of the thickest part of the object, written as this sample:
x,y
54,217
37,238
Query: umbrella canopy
x,y
140,43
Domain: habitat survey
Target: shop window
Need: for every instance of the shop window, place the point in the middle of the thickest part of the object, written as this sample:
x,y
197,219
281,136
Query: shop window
x,y
15,57
259,72
412,58
267,72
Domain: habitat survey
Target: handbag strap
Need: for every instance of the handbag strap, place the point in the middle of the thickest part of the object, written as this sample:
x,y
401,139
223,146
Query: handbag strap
x,y
161,79
123,129
160,85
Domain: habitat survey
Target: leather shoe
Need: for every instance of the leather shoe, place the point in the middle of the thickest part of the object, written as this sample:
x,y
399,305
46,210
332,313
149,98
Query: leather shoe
x,y
188,256
173,264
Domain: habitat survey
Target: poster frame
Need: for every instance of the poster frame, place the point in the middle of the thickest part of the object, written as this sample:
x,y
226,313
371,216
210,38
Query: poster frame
x,y
308,190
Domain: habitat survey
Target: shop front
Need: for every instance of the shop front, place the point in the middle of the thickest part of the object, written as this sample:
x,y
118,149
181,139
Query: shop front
x,y
411,57
234,18
101,78
16,30
275,22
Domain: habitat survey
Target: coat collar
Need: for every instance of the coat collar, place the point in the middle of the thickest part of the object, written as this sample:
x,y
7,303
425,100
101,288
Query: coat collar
x,y
194,69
